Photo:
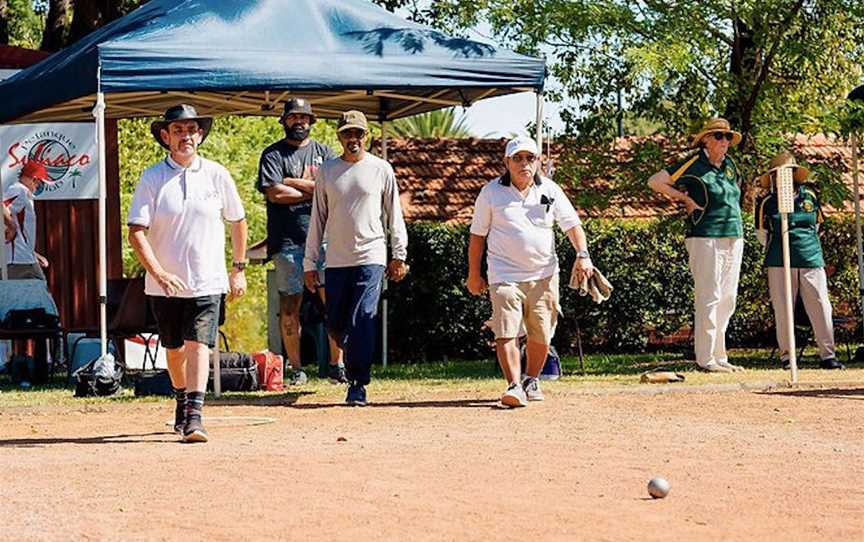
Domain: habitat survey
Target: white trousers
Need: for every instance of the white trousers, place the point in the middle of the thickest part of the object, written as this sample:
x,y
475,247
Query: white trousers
x,y
716,265
812,284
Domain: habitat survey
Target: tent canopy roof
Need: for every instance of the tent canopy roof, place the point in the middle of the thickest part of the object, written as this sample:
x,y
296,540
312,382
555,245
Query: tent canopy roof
x,y
244,58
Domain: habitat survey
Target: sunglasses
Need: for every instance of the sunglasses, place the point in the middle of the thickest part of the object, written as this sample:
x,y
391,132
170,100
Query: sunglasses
x,y
720,136
530,158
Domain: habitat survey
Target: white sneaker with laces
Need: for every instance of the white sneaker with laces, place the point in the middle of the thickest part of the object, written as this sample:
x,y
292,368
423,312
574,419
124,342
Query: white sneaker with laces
x,y
514,396
532,389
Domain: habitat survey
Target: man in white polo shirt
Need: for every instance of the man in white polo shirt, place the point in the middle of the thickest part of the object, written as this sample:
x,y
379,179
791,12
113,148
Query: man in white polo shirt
x,y
176,230
514,216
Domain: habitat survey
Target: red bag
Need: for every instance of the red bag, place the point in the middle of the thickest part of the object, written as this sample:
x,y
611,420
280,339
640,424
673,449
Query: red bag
x,y
269,370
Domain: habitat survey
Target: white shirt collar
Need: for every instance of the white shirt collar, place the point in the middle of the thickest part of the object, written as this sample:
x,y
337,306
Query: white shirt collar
x,y
196,164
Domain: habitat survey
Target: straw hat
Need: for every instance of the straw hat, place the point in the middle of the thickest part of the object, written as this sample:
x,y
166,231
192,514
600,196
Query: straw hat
x,y
800,174
716,125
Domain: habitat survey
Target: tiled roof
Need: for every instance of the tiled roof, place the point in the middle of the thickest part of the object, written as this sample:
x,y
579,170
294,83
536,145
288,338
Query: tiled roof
x,y
18,57
440,178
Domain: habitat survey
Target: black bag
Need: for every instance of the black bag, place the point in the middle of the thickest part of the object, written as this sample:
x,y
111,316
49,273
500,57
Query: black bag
x,y
22,369
156,382
238,372
30,319
87,384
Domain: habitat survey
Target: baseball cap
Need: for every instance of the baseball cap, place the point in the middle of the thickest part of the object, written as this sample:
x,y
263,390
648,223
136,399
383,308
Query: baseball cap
x,y
35,170
521,144
353,119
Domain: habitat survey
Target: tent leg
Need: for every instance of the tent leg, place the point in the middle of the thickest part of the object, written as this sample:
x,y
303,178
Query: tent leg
x,y
384,343
539,126
859,354
3,275
99,112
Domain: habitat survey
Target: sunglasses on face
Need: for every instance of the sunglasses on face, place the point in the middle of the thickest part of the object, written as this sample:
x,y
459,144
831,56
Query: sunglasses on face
x,y
720,136
530,158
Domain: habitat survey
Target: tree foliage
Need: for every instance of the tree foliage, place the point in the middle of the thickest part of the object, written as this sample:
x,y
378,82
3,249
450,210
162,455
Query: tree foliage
x,y
772,67
440,123
51,25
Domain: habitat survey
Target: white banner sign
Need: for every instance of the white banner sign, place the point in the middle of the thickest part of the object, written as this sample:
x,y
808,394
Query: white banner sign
x,y
67,150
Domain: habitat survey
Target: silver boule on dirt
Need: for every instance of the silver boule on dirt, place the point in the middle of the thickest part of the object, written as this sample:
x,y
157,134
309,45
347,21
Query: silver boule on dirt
x,y
658,488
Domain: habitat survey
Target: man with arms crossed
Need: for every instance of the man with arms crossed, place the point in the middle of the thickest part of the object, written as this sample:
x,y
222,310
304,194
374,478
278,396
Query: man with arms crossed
x,y
285,176
515,214
176,230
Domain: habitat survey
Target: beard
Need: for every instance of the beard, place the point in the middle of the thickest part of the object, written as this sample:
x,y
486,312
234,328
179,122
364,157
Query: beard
x,y
297,132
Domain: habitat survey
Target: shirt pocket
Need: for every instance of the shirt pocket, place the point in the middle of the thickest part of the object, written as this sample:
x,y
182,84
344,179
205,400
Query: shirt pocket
x,y
207,205
540,215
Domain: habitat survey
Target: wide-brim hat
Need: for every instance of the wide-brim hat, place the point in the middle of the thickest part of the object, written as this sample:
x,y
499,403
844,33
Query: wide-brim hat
x,y
716,125
298,106
178,113
800,174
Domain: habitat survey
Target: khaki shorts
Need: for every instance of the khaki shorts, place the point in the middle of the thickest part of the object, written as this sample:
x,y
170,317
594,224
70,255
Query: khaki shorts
x,y
533,303
16,271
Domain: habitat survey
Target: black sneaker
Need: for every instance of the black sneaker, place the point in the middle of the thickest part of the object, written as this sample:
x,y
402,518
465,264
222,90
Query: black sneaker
x,y
831,363
194,431
179,418
336,374
356,395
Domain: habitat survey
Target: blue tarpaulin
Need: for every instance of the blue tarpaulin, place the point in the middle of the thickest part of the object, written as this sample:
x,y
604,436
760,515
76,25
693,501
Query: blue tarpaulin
x,y
244,57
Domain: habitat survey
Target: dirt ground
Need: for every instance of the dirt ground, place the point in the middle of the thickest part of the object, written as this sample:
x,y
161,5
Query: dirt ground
x,y
443,465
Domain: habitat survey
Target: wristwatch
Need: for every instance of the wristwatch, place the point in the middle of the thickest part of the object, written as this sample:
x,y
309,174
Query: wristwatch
x,y
582,254
239,266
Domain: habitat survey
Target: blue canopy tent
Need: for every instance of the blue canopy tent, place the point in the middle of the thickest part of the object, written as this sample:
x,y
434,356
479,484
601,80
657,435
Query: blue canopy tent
x,y
245,58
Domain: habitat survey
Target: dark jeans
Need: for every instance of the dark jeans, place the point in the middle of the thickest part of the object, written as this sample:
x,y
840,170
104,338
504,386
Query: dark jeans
x,y
352,304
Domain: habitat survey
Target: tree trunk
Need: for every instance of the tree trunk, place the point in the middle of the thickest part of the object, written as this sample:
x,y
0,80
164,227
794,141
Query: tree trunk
x,y
4,22
56,22
87,17
742,66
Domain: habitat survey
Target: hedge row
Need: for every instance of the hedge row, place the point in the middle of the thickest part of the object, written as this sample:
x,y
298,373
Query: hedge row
x,y
432,315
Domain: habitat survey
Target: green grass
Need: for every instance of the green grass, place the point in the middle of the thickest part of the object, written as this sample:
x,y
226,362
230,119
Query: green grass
x,y
468,377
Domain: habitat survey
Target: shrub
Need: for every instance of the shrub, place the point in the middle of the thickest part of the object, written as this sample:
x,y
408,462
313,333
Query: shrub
x,y
432,316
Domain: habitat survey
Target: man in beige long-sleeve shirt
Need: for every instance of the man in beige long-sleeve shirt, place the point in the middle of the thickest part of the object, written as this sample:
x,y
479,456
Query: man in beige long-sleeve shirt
x,y
355,204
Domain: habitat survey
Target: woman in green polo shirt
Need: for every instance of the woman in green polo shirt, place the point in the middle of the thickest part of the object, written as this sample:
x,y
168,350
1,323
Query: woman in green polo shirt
x,y
708,185
805,257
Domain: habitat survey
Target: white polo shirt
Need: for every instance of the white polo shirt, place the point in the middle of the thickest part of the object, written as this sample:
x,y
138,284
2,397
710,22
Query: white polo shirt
x,y
519,230
22,248
184,210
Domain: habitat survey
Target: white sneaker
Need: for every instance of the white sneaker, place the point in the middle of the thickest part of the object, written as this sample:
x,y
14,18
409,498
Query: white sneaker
x,y
532,389
514,396
732,367
297,377
715,367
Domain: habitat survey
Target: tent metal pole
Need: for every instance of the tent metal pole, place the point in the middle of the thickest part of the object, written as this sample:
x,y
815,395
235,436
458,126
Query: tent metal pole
x,y
857,202
539,126
3,275
384,290
99,113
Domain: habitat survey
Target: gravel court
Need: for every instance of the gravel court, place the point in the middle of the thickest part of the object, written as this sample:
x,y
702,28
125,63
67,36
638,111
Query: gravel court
x,y
446,465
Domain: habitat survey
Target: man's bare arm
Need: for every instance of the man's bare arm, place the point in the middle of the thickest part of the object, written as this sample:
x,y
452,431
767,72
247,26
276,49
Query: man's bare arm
x,y
282,193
